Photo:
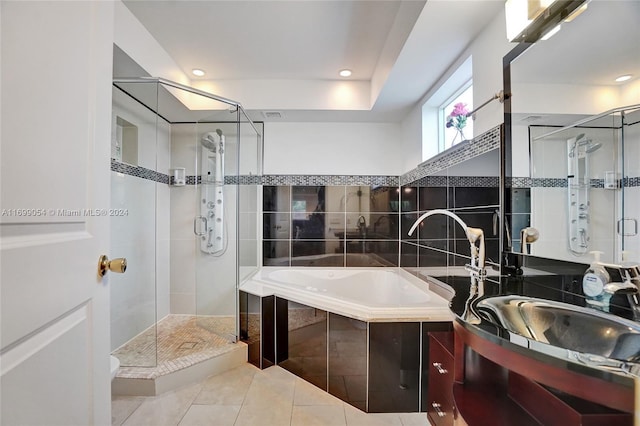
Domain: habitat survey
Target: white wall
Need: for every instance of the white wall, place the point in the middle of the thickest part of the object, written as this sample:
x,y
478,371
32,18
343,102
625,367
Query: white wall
x,y
411,147
134,39
487,51
487,164
332,148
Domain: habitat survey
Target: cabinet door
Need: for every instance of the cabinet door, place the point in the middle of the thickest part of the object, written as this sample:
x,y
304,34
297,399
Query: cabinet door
x,y
440,397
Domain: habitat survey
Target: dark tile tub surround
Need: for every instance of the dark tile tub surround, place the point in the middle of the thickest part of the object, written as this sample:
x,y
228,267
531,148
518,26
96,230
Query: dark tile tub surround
x,y
394,367
347,367
377,366
306,342
311,220
257,328
340,225
439,240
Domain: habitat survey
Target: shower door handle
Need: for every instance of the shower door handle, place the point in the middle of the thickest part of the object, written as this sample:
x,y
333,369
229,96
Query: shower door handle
x,y
195,225
630,226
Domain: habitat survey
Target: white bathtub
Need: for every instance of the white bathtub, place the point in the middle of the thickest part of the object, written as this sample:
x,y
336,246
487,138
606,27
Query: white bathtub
x,y
367,294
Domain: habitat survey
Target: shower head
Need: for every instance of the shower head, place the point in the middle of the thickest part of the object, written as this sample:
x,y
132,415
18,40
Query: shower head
x,y
592,147
212,140
587,145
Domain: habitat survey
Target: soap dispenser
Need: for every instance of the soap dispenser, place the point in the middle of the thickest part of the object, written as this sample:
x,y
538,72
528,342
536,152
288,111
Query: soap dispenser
x,y
593,283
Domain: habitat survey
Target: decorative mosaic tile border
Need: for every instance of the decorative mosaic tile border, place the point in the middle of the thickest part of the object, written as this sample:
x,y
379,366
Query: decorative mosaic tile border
x,y
484,143
138,171
243,180
526,182
323,180
458,181
152,175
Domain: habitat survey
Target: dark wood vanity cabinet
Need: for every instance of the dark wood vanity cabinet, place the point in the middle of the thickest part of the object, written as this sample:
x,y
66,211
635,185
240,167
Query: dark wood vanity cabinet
x,y
440,407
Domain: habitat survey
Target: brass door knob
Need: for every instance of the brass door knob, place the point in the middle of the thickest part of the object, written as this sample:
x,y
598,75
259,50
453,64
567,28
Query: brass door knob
x,y
118,265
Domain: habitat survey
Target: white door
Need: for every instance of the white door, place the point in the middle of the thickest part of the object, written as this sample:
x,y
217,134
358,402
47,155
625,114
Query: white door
x,y
54,194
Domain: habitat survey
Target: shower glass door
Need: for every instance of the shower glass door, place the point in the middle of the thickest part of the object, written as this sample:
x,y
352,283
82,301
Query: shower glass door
x,y
139,138
185,175
215,144
628,225
249,196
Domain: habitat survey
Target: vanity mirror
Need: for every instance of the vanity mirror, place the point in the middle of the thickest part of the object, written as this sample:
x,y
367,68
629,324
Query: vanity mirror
x,y
573,139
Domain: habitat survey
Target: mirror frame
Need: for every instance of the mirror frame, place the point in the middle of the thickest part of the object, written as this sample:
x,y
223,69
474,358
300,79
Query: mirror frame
x,y
505,157
511,261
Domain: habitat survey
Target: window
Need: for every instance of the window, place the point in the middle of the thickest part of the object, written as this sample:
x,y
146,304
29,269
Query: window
x,y
457,86
449,136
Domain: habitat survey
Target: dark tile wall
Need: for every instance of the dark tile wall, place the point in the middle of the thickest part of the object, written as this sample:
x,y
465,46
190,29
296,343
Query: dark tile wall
x,y
518,216
439,240
341,225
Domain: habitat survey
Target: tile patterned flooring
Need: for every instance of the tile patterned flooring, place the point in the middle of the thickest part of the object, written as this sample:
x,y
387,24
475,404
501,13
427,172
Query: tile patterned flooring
x,y
177,342
248,396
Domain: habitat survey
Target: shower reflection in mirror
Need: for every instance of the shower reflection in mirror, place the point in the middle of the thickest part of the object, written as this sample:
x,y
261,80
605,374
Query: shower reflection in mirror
x,y
579,150
585,185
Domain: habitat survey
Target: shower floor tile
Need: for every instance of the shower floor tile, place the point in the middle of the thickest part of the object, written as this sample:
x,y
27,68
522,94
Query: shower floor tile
x,y
182,341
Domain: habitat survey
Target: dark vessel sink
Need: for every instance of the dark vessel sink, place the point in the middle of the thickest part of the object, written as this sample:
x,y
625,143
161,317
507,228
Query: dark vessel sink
x,y
583,330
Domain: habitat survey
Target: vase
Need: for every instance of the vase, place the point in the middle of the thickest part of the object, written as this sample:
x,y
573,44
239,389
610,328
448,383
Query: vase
x,y
459,137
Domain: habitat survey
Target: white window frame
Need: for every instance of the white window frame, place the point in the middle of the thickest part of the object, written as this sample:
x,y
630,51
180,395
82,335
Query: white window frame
x,y
451,85
443,113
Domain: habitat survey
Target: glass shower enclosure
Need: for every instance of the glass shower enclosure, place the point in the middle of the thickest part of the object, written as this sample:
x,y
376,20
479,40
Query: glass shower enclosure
x,y
586,179
186,168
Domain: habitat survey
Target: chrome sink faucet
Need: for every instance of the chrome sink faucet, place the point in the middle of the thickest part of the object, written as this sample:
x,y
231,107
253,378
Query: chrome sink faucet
x,y
476,268
599,292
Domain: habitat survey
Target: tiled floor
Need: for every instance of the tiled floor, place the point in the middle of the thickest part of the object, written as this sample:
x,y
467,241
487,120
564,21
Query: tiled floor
x,y
177,342
252,397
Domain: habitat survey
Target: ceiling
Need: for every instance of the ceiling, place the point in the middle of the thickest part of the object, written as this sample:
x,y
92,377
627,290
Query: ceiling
x,y
595,48
397,49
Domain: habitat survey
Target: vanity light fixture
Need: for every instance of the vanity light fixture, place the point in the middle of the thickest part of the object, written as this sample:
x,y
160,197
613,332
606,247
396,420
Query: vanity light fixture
x,y
551,32
198,72
345,73
623,78
529,20
577,12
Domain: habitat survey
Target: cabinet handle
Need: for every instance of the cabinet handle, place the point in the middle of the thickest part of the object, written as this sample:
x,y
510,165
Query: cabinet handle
x,y
438,367
438,410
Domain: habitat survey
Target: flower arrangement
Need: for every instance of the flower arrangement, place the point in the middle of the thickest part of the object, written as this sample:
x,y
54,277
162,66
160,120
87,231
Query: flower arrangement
x,y
458,117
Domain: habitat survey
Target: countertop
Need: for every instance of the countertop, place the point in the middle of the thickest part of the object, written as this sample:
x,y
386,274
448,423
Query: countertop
x,y
551,355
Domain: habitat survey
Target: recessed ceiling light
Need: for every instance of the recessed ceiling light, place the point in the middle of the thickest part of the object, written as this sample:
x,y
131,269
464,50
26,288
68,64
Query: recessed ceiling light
x,y
623,78
198,72
345,73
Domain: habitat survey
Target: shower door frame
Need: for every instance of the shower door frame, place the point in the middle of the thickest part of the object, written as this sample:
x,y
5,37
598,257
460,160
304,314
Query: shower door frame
x,y
238,110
